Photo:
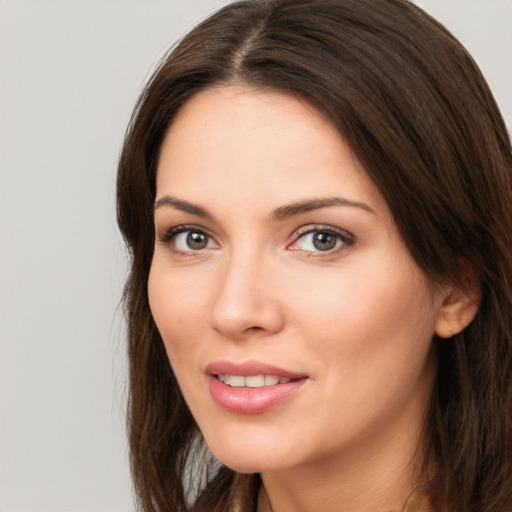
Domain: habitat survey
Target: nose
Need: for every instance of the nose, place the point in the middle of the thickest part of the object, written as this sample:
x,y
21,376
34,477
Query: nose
x,y
246,300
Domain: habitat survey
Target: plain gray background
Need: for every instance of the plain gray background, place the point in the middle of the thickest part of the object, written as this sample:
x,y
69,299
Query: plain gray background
x,y
70,72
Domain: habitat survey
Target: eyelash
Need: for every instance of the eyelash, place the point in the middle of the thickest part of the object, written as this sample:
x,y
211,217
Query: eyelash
x,y
345,238
171,234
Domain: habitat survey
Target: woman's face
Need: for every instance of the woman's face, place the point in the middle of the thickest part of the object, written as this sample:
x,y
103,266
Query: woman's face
x,y
297,324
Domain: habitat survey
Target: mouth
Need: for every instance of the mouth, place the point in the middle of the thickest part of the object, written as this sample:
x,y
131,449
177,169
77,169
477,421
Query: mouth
x,y
252,387
252,381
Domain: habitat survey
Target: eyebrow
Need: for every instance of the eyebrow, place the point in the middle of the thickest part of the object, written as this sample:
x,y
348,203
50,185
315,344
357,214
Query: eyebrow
x,y
184,206
290,210
279,214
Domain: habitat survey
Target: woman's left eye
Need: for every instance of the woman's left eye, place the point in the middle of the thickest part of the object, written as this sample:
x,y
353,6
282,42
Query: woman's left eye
x,y
321,240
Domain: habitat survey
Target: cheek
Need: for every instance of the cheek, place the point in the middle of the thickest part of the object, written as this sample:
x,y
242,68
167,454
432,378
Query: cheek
x,y
370,339
177,310
370,318
379,301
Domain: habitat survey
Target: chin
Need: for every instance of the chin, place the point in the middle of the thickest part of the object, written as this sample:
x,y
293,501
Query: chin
x,y
255,458
250,465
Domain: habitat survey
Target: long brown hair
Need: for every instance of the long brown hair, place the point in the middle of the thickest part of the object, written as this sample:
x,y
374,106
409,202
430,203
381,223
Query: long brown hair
x,y
415,109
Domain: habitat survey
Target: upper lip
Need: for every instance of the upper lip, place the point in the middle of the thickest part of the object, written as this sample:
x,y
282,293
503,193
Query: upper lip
x,y
247,368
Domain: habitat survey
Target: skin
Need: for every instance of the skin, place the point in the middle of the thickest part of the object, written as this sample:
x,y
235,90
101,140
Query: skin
x,y
358,319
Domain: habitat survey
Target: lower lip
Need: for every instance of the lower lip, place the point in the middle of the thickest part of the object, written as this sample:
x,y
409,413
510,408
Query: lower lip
x,y
245,400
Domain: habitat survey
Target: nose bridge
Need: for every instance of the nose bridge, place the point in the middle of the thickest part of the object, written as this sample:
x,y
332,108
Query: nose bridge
x,y
244,302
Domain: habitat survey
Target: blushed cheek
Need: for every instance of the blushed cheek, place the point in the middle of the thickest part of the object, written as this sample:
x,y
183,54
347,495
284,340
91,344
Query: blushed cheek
x,y
360,315
177,315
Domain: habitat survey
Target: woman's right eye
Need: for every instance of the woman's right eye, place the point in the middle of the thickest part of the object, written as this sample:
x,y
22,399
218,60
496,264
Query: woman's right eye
x,y
185,239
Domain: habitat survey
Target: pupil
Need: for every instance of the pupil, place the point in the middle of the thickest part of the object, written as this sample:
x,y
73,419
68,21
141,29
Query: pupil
x,y
324,241
197,240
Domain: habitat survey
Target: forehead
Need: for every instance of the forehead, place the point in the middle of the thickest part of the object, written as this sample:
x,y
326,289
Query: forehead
x,y
257,141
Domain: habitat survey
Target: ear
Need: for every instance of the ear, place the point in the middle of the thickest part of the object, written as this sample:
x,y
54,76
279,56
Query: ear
x,y
458,308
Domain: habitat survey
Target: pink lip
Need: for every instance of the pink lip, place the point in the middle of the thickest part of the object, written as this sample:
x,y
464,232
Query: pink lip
x,y
245,400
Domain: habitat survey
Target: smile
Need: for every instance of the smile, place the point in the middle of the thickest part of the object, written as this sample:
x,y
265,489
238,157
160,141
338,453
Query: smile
x,y
252,387
252,381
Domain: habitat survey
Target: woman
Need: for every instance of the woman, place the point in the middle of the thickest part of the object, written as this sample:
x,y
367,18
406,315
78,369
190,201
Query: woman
x,y
317,200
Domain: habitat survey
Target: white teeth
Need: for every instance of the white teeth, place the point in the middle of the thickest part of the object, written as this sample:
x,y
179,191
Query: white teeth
x,y
235,381
271,380
255,381
252,381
